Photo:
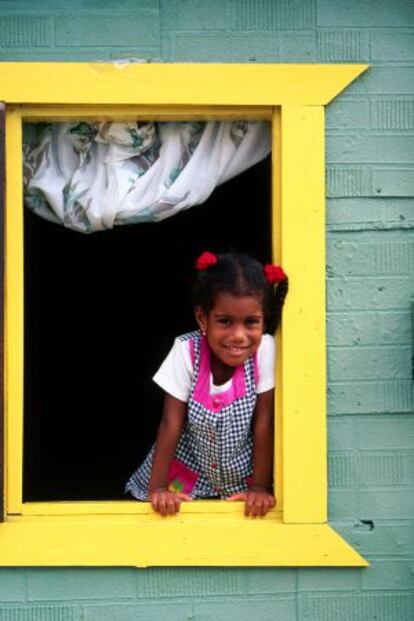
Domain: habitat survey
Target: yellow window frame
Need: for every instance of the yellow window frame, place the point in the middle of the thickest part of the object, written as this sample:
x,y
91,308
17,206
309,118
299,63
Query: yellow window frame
x,y
292,97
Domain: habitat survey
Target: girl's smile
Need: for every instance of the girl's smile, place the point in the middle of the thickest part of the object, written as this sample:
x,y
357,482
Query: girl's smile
x,y
233,327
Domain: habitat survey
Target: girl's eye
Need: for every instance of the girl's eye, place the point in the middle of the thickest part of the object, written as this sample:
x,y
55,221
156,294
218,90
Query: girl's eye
x,y
224,321
253,321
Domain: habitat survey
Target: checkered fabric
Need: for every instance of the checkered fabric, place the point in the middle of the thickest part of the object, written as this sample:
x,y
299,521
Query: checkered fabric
x,y
217,445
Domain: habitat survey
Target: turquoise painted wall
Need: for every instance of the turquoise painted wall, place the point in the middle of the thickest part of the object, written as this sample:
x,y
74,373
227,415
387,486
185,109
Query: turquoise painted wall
x,y
370,285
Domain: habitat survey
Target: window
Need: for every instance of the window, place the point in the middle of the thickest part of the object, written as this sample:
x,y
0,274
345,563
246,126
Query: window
x,y
101,312
114,532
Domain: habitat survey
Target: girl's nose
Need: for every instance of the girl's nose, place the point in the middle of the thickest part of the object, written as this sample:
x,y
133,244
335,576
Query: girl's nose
x,y
238,333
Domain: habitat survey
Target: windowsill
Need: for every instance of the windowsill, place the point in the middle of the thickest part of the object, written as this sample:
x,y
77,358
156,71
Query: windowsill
x,y
134,507
77,535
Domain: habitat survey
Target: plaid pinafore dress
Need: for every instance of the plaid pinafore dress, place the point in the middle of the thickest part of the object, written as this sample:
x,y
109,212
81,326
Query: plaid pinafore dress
x,y
214,454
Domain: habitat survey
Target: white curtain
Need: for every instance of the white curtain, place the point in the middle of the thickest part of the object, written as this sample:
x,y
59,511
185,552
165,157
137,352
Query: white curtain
x,y
92,176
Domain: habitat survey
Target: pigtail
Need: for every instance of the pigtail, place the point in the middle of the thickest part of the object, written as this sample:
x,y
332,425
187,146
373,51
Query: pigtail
x,y
276,299
275,275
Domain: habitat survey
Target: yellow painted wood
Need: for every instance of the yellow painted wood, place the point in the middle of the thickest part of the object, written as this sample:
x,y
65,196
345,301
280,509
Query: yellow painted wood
x,y
116,533
185,539
129,507
277,259
304,372
132,112
174,84
14,313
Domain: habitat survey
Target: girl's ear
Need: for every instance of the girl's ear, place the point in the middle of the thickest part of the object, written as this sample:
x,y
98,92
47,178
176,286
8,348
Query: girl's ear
x,y
201,319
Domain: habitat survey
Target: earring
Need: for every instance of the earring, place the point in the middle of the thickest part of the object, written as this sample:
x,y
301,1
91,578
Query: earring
x,y
204,332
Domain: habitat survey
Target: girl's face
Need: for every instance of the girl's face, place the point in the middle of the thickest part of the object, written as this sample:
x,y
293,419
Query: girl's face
x,y
233,327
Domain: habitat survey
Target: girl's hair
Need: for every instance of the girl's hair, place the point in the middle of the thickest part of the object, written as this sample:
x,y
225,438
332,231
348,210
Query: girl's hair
x,y
240,275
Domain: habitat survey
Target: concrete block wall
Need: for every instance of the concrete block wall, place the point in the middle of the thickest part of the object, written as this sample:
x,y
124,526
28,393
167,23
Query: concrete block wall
x,y
370,287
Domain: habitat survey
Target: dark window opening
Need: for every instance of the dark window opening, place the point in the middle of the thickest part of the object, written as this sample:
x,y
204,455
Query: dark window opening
x,y
101,312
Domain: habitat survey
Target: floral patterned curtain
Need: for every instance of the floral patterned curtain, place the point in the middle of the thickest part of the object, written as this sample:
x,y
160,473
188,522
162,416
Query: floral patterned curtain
x,y
93,176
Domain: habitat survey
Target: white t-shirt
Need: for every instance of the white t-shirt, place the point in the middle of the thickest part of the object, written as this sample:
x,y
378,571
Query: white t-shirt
x,y
176,372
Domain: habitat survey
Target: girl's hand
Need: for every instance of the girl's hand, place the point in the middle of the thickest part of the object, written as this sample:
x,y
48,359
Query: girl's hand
x,y
165,502
258,501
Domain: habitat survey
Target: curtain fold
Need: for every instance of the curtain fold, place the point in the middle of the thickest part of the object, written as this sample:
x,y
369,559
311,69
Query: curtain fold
x,y
93,176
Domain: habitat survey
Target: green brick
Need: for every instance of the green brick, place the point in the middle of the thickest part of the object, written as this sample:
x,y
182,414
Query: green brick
x,y
62,55
395,46
244,610
370,397
368,13
369,293
223,46
368,148
324,579
41,613
393,258
25,31
351,259
12,585
141,28
61,7
380,80
369,214
71,584
356,607
389,114
371,468
261,581
343,505
342,469
386,433
368,328
348,181
369,363
394,327
343,433
343,113
196,14
386,538
270,15
373,258
343,45
390,504
388,575
297,47
151,611
386,468
189,582
393,182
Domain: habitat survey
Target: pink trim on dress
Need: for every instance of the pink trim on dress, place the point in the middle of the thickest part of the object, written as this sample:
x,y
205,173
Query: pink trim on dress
x,y
202,394
180,477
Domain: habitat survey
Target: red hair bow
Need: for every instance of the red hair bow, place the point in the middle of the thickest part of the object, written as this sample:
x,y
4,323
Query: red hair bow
x,y
273,273
206,260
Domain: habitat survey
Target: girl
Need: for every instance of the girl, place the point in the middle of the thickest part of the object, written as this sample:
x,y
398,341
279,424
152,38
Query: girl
x,y
216,434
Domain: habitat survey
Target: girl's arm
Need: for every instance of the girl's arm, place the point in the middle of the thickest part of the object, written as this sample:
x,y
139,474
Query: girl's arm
x,y
263,439
173,416
259,499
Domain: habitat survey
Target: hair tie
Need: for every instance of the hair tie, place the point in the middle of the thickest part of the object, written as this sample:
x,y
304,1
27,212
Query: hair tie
x,y
206,260
273,273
